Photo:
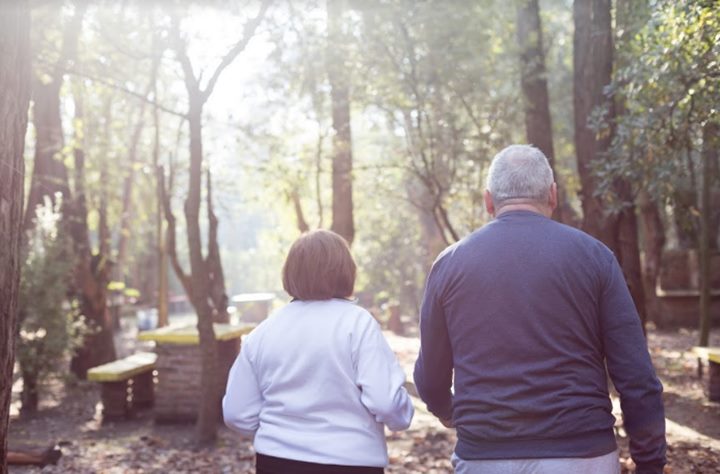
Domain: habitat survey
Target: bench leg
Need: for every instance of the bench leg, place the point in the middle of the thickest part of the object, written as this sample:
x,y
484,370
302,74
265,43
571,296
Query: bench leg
x,y
143,390
714,385
114,397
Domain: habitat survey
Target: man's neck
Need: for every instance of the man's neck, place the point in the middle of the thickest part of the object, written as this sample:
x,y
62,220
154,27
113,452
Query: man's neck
x,y
538,209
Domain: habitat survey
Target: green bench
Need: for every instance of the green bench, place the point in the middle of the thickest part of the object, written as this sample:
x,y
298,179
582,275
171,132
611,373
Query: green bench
x,y
712,355
126,384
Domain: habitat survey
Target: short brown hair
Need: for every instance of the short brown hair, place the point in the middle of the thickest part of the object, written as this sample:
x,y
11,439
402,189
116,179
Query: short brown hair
x,y
319,267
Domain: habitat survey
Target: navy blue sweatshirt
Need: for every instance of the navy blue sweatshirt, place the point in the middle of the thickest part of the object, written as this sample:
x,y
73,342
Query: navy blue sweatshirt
x,y
528,313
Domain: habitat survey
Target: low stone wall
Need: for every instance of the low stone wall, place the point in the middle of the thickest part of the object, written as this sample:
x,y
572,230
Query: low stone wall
x,y
678,292
177,393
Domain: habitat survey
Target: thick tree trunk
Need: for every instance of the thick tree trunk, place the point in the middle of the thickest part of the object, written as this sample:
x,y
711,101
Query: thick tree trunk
x,y
342,200
593,52
14,102
536,102
592,69
49,175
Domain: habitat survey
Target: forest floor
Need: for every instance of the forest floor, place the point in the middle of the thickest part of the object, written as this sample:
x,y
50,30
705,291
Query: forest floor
x,y
70,415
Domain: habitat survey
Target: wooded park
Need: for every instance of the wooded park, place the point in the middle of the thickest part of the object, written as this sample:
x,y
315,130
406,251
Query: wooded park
x,y
158,159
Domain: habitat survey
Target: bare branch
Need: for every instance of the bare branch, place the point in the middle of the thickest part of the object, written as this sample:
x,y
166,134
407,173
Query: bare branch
x,y
124,90
191,82
248,33
170,243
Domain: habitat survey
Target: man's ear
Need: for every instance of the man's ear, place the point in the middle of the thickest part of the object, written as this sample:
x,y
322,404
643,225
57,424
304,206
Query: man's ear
x,y
553,198
489,204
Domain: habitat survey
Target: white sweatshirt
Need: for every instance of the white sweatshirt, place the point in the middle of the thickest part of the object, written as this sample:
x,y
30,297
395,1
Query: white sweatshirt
x,y
315,382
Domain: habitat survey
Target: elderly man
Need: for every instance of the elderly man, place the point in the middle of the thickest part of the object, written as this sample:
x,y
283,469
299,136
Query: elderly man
x,y
529,313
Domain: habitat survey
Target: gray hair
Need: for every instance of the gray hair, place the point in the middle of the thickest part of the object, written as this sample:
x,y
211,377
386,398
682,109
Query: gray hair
x,y
519,172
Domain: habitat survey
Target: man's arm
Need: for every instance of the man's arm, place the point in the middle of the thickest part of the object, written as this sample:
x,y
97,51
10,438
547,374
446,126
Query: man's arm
x,y
632,372
434,366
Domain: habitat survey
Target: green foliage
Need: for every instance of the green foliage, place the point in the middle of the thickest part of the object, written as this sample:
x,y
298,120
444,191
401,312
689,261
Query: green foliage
x,y
49,330
670,87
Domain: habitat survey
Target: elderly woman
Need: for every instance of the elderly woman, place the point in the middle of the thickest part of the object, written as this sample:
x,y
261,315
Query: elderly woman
x,y
316,382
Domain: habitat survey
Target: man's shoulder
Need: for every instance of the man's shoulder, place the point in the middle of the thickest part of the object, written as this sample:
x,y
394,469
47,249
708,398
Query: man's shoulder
x,y
573,234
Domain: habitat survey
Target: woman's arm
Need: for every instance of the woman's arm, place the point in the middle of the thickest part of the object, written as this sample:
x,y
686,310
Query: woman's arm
x,y
243,399
381,379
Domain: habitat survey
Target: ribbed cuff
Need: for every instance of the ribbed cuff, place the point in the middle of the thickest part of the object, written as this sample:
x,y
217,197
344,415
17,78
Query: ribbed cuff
x,y
649,468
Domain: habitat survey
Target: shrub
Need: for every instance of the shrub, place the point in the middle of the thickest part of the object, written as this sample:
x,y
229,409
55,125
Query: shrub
x,y
48,329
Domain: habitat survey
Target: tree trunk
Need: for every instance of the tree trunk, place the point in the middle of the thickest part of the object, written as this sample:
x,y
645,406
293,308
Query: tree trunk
x,y
536,102
627,245
431,233
209,410
213,264
160,239
127,200
592,69
205,286
342,200
711,130
29,396
14,103
653,233
294,197
92,271
628,19
128,184
49,173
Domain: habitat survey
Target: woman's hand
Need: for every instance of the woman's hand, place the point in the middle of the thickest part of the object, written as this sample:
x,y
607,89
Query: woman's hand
x,y
447,423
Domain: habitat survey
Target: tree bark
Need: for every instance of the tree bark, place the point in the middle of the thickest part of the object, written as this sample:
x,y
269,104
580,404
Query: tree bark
x,y
92,271
592,69
653,232
342,200
209,410
294,197
593,53
627,243
160,238
536,102
216,276
29,397
205,284
14,102
49,174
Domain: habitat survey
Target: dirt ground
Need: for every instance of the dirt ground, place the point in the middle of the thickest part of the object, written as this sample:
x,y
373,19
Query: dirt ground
x,y
71,417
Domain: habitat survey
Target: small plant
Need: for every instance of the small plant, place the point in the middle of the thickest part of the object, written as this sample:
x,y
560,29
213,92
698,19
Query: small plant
x,y
48,328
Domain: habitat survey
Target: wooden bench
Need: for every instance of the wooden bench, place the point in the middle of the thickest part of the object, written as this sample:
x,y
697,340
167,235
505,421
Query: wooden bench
x,y
712,355
126,384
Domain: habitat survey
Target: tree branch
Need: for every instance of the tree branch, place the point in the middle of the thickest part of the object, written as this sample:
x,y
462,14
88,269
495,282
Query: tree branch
x,y
122,89
170,218
248,32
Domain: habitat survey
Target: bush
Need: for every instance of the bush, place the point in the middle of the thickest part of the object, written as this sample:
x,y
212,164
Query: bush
x,y
48,329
